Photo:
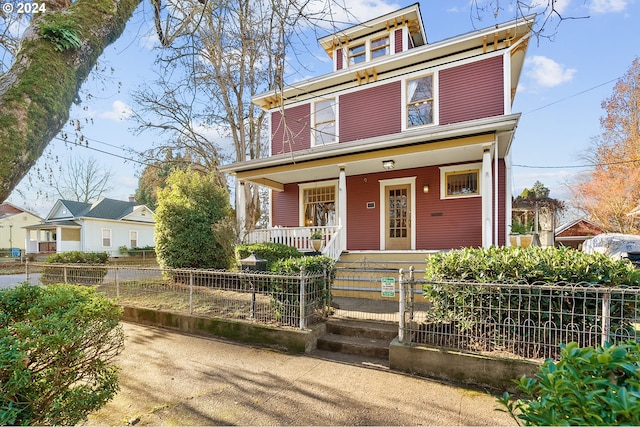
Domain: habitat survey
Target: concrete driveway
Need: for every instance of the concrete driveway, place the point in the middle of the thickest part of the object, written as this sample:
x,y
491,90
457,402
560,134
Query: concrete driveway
x,y
174,379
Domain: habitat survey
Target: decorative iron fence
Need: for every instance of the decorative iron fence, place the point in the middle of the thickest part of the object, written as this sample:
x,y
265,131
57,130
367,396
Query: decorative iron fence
x,y
282,299
524,320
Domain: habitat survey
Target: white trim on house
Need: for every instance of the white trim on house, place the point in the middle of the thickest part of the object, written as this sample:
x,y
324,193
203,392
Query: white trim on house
x,y
444,170
411,180
305,186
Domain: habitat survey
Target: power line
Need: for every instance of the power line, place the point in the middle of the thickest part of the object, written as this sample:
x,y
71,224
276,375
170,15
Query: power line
x,y
592,165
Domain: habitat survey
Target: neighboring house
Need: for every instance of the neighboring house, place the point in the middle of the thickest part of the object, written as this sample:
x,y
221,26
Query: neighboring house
x,y
12,220
574,233
404,146
103,226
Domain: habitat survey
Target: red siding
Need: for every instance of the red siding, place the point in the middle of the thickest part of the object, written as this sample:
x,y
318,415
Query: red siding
x,y
398,41
363,224
285,209
370,112
293,132
471,91
338,59
441,224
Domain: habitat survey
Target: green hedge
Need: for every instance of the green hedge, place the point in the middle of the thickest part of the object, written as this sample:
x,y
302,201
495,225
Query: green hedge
x,y
450,288
530,265
272,252
89,272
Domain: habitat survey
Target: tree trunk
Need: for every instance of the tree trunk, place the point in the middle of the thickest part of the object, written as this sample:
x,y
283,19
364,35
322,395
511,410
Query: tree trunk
x,y
37,92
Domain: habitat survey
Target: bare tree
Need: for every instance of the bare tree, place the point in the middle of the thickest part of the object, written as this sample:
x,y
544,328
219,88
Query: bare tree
x,y
83,180
60,47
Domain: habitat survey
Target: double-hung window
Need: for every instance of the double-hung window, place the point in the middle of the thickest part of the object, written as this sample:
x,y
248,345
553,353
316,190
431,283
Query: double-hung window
x,y
133,238
325,121
420,101
380,47
357,54
106,237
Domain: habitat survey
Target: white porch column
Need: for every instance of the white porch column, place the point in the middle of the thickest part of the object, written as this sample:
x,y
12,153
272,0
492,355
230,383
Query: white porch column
x,y
241,209
487,200
342,207
58,239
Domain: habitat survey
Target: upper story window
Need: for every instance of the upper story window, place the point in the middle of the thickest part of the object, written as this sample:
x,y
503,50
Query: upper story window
x,y
380,47
325,121
420,101
357,54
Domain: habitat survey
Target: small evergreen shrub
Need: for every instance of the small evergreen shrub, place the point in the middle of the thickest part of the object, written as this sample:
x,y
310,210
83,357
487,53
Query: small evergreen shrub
x,y
90,272
587,386
285,294
57,344
272,252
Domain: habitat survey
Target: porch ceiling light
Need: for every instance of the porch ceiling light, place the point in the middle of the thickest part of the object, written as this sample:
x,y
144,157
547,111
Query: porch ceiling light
x,y
388,164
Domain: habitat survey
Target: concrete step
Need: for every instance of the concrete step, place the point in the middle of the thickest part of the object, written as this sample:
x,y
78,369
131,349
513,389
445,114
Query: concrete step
x,y
363,329
362,338
361,346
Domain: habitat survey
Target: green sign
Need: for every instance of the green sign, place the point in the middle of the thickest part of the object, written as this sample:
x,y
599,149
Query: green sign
x,y
388,287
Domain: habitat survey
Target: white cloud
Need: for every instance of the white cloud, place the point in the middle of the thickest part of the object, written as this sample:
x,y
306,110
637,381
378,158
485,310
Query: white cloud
x,y
119,111
548,73
354,12
607,6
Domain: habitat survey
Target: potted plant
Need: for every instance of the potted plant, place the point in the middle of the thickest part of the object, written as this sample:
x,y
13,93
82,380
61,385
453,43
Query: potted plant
x,y
316,239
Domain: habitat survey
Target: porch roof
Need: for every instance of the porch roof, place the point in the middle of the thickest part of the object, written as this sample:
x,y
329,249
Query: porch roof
x,y
53,224
455,143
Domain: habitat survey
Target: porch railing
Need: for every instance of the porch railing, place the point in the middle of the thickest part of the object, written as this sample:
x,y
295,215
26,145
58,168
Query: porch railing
x,y
299,238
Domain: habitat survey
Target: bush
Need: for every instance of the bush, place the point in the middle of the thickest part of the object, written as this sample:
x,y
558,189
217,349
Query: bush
x,y
272,252
194,227
586,386
466,305
285,294
91,272
56,348
530,265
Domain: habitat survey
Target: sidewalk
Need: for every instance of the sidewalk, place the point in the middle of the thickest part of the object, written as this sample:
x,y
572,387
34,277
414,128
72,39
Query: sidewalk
x,y
174,379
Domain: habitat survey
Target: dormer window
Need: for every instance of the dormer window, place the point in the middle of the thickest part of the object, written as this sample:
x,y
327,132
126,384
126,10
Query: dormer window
x,y
357,54
379,47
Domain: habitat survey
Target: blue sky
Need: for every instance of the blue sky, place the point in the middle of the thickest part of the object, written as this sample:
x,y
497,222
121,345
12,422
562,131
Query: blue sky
x,y
560,91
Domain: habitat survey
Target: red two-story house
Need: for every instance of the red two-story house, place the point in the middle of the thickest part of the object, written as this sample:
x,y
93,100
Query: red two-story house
x,y
404,146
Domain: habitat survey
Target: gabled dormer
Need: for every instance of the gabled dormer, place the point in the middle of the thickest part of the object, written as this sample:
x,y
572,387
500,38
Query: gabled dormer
x,y
362,44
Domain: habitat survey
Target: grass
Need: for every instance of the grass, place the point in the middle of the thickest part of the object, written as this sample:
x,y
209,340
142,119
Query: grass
x,y
9,266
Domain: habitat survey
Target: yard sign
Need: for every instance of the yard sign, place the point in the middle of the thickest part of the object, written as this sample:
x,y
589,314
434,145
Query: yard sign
x,y
388,287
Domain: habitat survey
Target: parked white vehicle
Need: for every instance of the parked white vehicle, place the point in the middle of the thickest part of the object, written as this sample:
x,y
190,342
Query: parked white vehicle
x,y
615,245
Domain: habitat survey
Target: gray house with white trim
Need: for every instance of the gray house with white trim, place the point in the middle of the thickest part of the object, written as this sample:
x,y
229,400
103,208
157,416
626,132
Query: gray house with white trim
x,y
103,226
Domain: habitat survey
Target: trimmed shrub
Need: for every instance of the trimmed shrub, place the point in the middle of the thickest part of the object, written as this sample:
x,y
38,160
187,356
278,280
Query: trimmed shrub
x,y
272,252
90,272
57,344
285,294
466,305
587,386
530,265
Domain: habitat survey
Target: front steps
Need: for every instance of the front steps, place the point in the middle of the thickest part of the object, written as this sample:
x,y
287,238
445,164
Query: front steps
x,y
359,273
360,338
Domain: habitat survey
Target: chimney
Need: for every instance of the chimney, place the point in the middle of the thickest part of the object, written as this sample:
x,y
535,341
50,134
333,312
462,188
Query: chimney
x,y
132,198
